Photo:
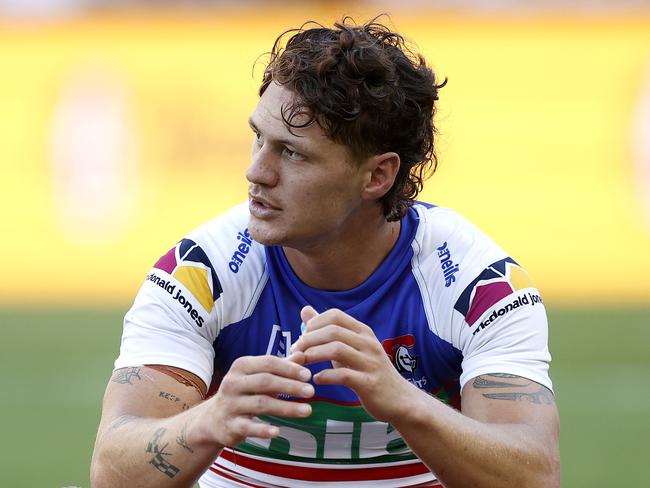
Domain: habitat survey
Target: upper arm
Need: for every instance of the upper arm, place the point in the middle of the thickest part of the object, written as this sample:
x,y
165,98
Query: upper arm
x,y
500,398
149,393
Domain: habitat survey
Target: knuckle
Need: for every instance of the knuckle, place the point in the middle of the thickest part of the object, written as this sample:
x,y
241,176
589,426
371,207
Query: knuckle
x,y
261,403
366,329
240,363
263,381
346,375
333,331
228,384
331,314
266,362
237,427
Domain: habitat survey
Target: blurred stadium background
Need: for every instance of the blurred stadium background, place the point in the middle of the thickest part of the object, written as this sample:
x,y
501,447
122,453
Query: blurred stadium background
x,y
123,126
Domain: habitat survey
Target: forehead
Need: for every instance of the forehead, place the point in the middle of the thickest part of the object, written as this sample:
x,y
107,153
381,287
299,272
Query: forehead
x,y
267,116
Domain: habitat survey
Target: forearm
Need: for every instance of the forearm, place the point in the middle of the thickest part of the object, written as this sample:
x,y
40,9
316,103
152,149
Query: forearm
x,y
157,452
462,451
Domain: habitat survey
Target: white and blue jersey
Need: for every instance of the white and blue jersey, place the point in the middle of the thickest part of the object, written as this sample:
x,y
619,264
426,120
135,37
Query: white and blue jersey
x,y
447,304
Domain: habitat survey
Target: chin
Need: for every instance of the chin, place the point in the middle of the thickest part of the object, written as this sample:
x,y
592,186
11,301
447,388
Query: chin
x,y
264,233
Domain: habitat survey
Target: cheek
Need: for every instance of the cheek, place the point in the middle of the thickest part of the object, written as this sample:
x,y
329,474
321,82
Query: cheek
x,y
321,196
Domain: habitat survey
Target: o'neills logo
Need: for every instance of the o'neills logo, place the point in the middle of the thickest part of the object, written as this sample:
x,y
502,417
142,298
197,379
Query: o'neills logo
x,y
242,251
447,265
178,296
526,299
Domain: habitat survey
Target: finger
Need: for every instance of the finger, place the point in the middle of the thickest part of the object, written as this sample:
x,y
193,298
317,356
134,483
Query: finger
x,y
307,313
340,376
329,333
270,384
338,317
244,426
256,428
297,357
268,405
338,352
270,364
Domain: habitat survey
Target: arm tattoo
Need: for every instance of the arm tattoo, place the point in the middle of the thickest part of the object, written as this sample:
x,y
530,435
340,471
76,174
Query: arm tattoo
x,y
168,396
173,398
541,396
181,440
120,421
158,461
485,382
537,397
125,375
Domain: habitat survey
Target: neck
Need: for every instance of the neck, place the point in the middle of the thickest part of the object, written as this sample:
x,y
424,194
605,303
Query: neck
x,y
347,261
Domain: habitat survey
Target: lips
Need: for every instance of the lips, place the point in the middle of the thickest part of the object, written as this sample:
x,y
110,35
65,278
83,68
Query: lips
x,y
262,208
263,202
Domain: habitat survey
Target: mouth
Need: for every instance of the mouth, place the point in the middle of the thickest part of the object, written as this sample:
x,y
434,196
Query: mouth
x,y
262,202
260,207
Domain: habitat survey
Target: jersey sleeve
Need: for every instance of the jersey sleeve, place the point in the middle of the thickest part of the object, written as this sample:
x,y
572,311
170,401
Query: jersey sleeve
x,y
173,319
482,301
501,322
510,336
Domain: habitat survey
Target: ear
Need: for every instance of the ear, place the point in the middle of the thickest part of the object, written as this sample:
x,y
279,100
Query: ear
x,y
381,173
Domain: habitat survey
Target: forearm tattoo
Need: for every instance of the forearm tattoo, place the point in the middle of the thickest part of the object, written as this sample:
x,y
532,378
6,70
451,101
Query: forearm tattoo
x,y
158,461
181,440
124,376
496,380
120,421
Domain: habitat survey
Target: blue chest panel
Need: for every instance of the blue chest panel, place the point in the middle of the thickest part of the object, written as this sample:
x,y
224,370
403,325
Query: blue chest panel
x,y
389,301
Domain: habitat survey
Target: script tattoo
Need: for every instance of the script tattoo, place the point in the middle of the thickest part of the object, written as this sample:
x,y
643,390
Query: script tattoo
x,y
181,440
158,461
541,396
125,375
168,396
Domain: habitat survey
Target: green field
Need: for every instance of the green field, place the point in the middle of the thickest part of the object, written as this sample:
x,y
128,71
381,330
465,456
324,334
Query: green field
x,y
55,364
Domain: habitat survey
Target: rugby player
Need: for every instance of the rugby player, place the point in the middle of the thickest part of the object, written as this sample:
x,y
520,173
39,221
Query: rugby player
x,y
334,330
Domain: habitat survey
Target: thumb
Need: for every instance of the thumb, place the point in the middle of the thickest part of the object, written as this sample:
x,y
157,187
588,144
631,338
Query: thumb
x,y
307,313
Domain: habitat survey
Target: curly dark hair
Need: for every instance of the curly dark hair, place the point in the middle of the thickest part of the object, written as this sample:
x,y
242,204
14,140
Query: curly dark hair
x,y
368,91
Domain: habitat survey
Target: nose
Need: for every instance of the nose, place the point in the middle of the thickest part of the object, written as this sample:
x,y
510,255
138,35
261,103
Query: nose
x,y
263,167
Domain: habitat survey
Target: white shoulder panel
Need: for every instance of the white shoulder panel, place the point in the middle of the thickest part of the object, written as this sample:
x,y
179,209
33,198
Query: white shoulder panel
x,y
240,264
207,281
478,299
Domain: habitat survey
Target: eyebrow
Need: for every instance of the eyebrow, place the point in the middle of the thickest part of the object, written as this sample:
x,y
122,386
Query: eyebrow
x,y
287,142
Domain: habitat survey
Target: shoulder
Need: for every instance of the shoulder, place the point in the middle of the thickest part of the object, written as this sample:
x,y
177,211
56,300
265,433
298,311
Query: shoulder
x,y
442,227
450,251
482,301
205,282
226,240
217,265
465,271
238,261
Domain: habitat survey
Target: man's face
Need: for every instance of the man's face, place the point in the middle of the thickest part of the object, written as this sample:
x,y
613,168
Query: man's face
x,y
304,188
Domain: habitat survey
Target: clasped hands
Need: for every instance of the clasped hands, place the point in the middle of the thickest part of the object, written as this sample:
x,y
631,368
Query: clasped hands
x,y
358,359
256,385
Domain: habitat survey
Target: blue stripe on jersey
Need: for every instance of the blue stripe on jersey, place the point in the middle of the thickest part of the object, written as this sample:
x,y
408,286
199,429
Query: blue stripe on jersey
x,y
389,301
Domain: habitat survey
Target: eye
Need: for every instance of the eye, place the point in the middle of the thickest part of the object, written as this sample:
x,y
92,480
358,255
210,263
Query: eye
x,y
258,137
293,155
